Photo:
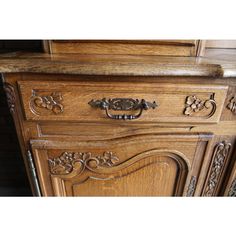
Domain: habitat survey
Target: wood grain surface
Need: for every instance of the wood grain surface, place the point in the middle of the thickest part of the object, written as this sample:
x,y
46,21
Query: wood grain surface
x,y
125,47
115,65
183,147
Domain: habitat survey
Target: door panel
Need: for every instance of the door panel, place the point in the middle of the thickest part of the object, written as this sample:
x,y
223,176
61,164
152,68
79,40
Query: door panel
x,y
143,165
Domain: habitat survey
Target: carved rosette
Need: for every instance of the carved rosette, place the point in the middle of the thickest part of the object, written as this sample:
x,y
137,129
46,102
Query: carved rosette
x,y
232,190
220,156
51,102
77,161
232,105
10,94
192,186
194,105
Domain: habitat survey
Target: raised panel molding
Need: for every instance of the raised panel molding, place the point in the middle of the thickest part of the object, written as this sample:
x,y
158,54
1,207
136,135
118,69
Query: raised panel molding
x,y
123,174
116,172
220,156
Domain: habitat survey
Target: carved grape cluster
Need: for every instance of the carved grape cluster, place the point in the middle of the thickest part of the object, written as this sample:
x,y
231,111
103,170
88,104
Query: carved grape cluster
x,y
51,102
193,104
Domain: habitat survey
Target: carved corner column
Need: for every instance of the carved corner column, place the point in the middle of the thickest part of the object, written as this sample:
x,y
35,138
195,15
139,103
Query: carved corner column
x,y
10,95
232,189
192,187
230,183
220,157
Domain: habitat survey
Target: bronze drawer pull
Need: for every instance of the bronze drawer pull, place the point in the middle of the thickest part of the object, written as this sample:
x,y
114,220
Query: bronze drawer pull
x,y
122,104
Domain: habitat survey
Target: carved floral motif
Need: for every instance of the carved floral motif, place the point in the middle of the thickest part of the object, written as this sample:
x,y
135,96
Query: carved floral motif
x,y
193,105
192,186
232,105
69,161
10,93
232,190
51,102
220,155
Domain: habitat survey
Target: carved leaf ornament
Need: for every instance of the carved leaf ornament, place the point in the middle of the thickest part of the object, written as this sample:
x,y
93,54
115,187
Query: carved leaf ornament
x,y
67,162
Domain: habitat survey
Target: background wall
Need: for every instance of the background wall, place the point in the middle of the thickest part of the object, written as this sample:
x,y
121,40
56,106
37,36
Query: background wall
x,y
13,179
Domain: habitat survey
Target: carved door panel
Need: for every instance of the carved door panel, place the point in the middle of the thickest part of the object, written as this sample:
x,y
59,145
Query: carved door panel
x,y
143,165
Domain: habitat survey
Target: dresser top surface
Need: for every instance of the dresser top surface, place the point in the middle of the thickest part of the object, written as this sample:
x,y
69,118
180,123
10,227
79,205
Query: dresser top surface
x,y
216,65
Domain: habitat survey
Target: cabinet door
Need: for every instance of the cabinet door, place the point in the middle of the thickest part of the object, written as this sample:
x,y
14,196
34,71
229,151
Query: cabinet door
x,y
142,165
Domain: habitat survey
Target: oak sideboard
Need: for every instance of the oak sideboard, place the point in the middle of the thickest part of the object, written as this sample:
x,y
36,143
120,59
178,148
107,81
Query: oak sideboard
x,y
99,122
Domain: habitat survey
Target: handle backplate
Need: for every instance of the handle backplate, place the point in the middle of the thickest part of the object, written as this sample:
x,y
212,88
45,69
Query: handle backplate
x,y
122,104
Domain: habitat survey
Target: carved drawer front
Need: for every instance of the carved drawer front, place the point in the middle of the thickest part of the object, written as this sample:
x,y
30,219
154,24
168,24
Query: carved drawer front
x,y
104,102
144,165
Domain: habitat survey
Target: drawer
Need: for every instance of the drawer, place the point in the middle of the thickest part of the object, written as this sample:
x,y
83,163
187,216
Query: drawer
x,y
142,165
132,102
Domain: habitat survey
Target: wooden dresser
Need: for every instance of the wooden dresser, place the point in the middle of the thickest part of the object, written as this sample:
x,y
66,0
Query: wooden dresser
x,y
125,118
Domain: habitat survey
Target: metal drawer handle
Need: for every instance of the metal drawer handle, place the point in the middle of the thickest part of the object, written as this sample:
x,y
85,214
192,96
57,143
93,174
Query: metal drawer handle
x,y
122,104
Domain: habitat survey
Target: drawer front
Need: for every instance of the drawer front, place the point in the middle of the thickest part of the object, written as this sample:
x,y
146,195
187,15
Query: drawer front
x,y
103,102
146,165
